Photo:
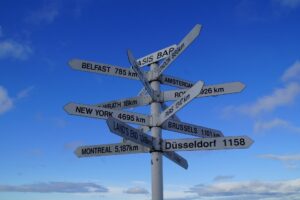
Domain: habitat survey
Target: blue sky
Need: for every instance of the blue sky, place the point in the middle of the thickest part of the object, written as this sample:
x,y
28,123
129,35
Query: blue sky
x,y
254,42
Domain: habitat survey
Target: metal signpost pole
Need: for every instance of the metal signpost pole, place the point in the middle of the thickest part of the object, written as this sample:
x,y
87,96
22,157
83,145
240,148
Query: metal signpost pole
x,y
156,156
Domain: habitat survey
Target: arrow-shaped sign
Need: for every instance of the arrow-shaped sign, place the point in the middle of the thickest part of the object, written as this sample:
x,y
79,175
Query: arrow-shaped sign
x,y
207,90
173,117
175,82
106,69
105,113
191,129
126,103
130,133
176,158
186,41
142,77
180,103
156,56
109,149
234,142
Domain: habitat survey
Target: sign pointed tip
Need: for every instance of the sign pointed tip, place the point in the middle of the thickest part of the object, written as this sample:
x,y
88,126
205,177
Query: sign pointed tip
x,y
77,152
73,62
68,106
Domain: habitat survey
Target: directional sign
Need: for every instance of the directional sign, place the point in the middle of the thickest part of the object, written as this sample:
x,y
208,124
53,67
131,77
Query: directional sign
x,y
109,149
176,82
101,68
191,129
156,56
180,103
234,142
141,76
175,157
186,41
122,129
207,90
126,103
105,113
173,117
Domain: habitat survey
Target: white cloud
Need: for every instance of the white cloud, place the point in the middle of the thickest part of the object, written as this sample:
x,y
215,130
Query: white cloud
x,y
6,102
281,157
264,126
293,72
13,49
59,187
280,97
47,14
277,190
136,190
289,161
261,126
223,178
289,3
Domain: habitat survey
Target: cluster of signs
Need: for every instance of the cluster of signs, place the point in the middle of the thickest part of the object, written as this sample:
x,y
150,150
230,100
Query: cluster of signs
x,y
137,140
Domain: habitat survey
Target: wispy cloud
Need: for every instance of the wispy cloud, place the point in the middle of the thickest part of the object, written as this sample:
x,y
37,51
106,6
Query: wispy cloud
x,y
6,102
46,14
136,190
290,161
278,98
14,49
223,178
264,126
292,73
288,3
25,92
58,187
277,190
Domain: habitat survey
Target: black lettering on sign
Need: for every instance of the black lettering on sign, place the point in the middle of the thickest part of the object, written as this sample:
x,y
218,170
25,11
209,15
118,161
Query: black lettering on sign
x,y
129,102
83,110
178,94
218,90
103,113
95,67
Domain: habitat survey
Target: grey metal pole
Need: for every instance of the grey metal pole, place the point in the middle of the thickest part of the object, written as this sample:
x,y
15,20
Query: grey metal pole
x,y
156,157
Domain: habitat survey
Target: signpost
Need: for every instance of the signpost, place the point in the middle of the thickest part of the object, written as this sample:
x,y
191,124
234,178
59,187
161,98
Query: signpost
x,y
141,76
109,149
137,136
180,103
105,113
190,129
136,140
156,56
235,142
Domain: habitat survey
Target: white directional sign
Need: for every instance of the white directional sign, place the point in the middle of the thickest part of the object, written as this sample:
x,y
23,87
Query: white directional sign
x,y
186,41
207,90
173,117
180,103
105,113
141,76
234,142
176,82
191,129
175,157
109,149
101,68
126,103
137,136
156,56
